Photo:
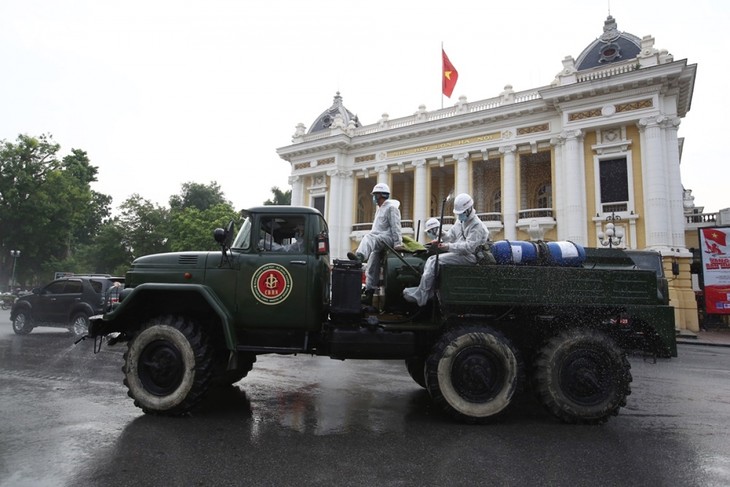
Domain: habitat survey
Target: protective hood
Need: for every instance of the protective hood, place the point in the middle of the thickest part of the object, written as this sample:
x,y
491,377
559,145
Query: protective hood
x,y
390,202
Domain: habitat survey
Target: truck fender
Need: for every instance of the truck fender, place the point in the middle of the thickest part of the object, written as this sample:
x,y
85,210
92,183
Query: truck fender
x,y
138,303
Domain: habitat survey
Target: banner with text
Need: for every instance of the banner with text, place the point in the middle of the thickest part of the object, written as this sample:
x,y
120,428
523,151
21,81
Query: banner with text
x,y
716,269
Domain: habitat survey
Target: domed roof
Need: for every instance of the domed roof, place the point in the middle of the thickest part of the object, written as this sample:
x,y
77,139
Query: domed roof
x,y
613,46
325,120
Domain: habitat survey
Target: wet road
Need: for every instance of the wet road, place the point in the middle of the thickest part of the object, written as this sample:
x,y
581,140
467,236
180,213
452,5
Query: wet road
x,y
65,420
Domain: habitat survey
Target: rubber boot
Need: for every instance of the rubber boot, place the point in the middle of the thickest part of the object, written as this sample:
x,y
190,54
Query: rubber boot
x,y
367,297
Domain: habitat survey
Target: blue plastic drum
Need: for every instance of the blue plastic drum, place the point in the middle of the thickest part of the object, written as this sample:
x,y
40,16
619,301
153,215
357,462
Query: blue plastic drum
x,y
566,254
517,252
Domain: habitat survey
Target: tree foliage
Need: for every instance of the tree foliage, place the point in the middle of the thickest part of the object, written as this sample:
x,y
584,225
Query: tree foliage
x,y
200,196
280,197
193,228
49,212
47,207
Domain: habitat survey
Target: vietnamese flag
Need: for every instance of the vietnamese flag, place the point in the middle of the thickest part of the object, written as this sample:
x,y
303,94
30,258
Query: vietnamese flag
x,y
714,235
449,75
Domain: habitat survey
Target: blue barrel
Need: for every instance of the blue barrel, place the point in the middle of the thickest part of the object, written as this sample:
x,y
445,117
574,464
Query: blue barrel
x,y
565,254
517,252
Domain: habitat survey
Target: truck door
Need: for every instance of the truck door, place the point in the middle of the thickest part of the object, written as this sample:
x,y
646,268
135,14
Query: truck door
x,y
275,289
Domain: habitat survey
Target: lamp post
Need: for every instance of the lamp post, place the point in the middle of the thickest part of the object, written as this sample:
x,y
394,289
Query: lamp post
x,y
15,254
612,234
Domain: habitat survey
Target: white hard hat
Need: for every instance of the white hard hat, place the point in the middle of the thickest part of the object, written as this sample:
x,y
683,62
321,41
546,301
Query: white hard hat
x,y
381,188
462,202
431,223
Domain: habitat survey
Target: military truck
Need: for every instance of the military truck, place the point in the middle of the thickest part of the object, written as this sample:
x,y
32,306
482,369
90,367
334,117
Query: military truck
x,y
196,320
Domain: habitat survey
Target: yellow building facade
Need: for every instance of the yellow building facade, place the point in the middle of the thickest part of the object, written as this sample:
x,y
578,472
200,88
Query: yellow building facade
x,y
599,144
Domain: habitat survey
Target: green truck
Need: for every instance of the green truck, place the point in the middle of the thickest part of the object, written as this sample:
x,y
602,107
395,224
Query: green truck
x,y
196,320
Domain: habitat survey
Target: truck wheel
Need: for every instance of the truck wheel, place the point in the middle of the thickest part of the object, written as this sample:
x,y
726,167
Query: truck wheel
x,y
168,366
22,324
416,370
80,324
582,376
473,373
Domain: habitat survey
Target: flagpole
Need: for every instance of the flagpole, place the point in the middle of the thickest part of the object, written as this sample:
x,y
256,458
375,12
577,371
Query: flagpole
x,y
442,75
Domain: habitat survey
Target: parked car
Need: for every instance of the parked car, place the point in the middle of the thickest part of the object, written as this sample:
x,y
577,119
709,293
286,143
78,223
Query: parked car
x,y
64,303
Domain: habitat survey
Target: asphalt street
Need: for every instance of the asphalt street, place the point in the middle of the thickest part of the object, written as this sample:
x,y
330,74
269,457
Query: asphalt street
x,y
66,420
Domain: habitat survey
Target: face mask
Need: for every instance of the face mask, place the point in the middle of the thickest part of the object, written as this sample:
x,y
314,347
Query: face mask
x,y
375,200
432,234
462,217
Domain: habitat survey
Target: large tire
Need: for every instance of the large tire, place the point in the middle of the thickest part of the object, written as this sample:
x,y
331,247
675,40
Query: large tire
x,y
417,370
582,377
22,324
80,324
168,366
473,373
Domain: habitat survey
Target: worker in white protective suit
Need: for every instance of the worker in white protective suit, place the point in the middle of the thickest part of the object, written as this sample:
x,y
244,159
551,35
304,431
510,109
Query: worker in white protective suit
x,y
386,229
431,229
460,244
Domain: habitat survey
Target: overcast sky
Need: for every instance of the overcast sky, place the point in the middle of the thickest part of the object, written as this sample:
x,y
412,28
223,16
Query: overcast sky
x,y
163,92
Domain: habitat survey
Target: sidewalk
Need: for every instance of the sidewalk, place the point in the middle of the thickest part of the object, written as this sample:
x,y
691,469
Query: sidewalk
x,y
718,337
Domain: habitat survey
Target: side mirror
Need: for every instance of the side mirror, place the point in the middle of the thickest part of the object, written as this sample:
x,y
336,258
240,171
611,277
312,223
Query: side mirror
x,y
219,235
224,236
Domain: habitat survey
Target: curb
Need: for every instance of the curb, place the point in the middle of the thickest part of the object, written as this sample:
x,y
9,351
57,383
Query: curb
x,y
697,342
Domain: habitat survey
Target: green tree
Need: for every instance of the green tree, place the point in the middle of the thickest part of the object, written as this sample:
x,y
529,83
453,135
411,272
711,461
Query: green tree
x,y
192,229
47,207
107,254
194,213
144,226
196,195
280,197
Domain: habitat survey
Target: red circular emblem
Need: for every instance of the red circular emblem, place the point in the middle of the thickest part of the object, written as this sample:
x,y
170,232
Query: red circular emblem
x,y
271,284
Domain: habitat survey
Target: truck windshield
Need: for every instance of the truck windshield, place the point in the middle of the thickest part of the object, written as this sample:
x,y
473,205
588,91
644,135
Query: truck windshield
x,y
243,239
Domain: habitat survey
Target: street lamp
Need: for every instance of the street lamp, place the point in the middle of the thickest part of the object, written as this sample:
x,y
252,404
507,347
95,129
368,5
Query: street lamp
x,y
613,234
15,254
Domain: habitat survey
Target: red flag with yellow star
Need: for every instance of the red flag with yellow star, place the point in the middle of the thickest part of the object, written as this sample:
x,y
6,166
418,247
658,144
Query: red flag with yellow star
x,y
715,235
449,75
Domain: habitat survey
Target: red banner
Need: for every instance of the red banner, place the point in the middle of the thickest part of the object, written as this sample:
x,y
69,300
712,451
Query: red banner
x,y
716,269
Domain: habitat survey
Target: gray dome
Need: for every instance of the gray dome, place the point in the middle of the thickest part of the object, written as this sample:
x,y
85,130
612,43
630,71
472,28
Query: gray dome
x,y
325,120
613,46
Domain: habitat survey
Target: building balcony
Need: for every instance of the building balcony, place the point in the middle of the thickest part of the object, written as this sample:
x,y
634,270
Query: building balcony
x,y
493,221
536,222
694,221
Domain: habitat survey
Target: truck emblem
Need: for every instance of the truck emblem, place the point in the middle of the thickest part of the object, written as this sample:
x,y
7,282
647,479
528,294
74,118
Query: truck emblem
x,y
271,284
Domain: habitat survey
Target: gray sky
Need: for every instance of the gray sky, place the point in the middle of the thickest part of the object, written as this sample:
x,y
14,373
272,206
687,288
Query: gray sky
x,y
162,92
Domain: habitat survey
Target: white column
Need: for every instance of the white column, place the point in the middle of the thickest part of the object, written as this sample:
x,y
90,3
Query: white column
x,y
339,222
575,204
676,191
560,187
509,192
420,195
383,174
296,190
656,194
349,202
462,173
